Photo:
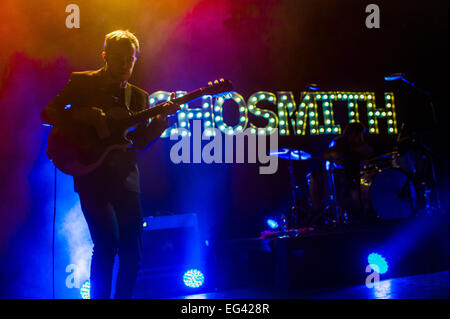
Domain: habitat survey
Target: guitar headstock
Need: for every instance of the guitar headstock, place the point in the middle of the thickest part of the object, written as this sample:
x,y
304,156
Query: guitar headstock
x,y
218,87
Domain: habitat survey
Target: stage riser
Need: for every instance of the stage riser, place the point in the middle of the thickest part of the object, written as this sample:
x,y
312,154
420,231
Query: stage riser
x,y
334,260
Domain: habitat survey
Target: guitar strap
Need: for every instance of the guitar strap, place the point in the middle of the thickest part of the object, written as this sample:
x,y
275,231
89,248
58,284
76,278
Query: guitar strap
x,y
128,96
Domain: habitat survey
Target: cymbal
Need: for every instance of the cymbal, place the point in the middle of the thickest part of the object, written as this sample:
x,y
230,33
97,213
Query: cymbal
x,y
289,153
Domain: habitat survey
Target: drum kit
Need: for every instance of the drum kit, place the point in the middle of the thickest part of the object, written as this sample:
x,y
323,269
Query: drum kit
x,y
397,185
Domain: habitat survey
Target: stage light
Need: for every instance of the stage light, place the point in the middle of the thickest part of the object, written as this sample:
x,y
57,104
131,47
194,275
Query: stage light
x,y
393,77
379,261
85,290
272,223
313,87
193,278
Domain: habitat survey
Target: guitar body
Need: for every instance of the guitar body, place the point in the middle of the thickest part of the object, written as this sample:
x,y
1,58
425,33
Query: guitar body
x,y
78,150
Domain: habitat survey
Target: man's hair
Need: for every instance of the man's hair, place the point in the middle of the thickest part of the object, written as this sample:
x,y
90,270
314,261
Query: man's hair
x,y
354,128
113,38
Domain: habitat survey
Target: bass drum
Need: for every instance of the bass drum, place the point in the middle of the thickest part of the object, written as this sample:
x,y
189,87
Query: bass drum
x,y
389,193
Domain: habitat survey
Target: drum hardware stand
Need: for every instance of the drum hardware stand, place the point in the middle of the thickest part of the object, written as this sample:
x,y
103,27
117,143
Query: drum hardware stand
x,y
334,205
331,204
428,190
426,194
290,220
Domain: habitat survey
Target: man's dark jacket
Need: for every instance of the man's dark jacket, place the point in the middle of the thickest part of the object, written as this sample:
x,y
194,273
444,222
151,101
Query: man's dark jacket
x,y
119,171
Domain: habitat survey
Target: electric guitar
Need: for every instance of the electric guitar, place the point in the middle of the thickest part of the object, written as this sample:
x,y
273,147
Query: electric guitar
x,y
80,148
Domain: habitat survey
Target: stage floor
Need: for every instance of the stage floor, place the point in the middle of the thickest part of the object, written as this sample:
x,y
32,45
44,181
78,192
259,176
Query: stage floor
x,y
426,286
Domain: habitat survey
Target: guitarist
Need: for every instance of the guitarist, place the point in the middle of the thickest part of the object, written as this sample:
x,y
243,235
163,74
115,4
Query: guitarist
x,y
110,195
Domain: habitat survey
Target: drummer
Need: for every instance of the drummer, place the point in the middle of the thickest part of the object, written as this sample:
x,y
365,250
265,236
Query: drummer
x,y
348,151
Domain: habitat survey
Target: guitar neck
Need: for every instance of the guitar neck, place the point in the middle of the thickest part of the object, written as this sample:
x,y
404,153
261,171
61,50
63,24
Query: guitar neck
x,y
161,108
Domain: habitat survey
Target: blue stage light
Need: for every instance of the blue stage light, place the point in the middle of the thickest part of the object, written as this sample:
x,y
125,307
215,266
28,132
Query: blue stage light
x,y
272,223
193,278
379,261
85,290
393,77
313,87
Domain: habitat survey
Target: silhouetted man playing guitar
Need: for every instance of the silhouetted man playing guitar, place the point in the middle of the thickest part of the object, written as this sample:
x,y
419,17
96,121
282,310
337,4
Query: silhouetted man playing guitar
x,y
110,194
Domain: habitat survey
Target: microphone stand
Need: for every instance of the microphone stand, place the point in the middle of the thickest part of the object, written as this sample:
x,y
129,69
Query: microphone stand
x,y
427,94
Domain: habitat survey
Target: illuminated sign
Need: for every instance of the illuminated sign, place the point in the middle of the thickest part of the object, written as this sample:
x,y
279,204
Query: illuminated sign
x,y
304,118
